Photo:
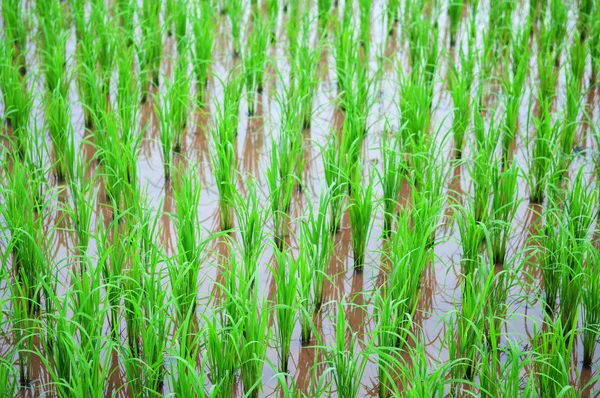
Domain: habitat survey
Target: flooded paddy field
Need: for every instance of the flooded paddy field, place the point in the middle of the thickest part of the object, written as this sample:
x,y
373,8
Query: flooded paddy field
x,y
293,198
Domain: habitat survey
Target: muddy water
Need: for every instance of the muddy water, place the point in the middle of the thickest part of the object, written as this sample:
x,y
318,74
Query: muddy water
x,y
441,290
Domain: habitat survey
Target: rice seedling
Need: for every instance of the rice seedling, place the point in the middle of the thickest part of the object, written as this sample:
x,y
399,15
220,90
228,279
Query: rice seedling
x,y
61,131
504,207
221,342
336,180
18,101
591,309
106,43
186,376
455,10
347,365
203,45
253,349
460,88
364,7
541,156
305,280
15,26
286,308
150,45
360,210
235,12
184,273
323,13
315,234
54,49
551,349
223,161
391,178
251,218
255,57
177,100
305,68
471,236
514,86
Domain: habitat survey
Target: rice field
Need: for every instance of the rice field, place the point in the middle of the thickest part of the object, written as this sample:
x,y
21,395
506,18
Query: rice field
x,y
347,198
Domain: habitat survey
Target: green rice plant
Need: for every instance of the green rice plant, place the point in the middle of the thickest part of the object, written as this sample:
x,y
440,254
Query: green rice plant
x,y
184,273
471,235
255,58
61,131
541,155
305,69
235,12
591,308
387,338
407,258
481,173
336,180
18,100
180,25
392,10
420,380
293,26
126,11
128,91
7,378
315,234
553,256
584,23
548,74
83,198
568,131
595,50
360,210
323,13
177,98
460,89
280,192
222,345
204,36
150,45
223,161
514,87
415,110
15,27
504,207
391,178
251,218
253,350
344,48
290,147
552,351
305,288
348,366
423,36
286,308
54,50
364,7
167,135
88,83
106,43
118,155
272,7
186,376
455,10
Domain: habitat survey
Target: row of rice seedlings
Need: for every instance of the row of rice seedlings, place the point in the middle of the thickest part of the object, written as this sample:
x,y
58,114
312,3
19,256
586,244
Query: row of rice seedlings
x,y
224,156
255,58
18,100
204,36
